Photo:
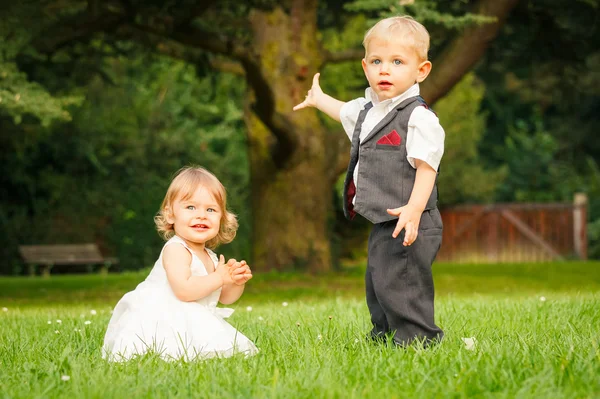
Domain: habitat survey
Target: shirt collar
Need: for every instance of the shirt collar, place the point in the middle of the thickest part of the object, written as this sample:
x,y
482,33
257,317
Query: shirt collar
x,y
391,102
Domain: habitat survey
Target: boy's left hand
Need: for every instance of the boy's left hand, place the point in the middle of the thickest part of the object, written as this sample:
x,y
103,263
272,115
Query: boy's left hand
x,y
313,95
409,218
240,273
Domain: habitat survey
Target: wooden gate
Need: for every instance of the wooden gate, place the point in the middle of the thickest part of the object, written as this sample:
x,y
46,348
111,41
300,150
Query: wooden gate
x,y
516,232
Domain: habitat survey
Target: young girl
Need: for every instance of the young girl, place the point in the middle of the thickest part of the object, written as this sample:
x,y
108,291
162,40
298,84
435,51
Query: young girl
x,y
174,311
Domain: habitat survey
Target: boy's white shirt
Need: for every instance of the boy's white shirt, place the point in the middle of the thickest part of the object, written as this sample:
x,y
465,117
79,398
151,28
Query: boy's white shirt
x,y
425,135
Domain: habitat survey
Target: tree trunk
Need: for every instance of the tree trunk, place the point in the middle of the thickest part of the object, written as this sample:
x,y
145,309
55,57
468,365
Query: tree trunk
x,y
290,183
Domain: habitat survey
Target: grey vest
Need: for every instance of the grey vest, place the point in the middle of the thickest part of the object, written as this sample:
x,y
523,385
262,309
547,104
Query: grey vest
x,y
385,178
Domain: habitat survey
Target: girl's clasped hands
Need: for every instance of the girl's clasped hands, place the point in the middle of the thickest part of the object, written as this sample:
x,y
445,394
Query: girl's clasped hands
x,y
234,272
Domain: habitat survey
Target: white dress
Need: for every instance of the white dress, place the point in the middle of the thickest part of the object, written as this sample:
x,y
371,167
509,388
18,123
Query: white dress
x,y
152,319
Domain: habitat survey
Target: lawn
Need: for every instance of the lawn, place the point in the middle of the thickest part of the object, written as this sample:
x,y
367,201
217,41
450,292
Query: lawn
x,y
536,330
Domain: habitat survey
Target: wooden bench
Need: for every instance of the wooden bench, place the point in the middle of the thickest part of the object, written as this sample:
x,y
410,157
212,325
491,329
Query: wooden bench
x,y
46,256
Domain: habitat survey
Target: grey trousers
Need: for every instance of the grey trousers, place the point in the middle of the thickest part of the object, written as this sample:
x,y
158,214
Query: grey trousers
x,y
399,283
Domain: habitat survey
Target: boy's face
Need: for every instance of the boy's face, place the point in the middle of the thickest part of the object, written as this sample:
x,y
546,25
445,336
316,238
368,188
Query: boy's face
x,y
392,67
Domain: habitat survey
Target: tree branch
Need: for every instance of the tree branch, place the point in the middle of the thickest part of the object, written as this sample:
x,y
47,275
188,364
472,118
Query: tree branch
x,y
462,54
264,108
208,41
227,66
195,12
128,7
93,7
76,28
176,50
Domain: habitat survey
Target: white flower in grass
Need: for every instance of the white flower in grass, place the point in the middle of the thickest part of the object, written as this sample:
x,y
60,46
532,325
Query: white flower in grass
x,y
260,318
93,312
59,321
470,343
5,309
249,308
49,321
65,377
87,322
56,332
319,337
543,298
356,340
284,304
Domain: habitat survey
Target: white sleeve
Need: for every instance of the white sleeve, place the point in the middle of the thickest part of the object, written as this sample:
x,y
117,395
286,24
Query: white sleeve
x,y
349,114
425,138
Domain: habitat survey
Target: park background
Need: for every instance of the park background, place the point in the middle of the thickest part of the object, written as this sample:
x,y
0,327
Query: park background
x,y
102,101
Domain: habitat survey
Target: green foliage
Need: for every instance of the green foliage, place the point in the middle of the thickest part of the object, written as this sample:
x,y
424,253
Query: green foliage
x,y
594,239
449,14
463,175
20,97
590,184
535,173
441,18
541,70
172,120
349,72
102,177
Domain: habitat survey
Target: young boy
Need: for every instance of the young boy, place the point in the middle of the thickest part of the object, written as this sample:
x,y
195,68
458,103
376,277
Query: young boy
x,y
397,145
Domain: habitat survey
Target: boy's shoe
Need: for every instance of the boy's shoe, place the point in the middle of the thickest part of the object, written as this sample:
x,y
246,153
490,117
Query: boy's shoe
x,y
377,337
419,343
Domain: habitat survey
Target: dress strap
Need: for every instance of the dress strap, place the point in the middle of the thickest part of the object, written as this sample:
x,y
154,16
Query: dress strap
x,y
178,240
213,256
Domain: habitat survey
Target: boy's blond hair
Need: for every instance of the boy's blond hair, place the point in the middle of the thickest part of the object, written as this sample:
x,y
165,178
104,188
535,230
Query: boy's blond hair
x,y
182,187
404,28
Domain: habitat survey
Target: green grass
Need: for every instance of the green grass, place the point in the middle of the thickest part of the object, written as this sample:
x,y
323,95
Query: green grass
x,y
314,348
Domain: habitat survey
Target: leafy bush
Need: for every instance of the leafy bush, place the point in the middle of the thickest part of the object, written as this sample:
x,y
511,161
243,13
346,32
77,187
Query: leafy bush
x,y
102,177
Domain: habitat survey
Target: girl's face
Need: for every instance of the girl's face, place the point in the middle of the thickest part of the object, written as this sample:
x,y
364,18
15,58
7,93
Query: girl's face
x,y
196,219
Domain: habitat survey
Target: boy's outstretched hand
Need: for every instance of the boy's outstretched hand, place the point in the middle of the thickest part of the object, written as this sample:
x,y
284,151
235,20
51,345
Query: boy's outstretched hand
x,y
240,273
311,98
409,218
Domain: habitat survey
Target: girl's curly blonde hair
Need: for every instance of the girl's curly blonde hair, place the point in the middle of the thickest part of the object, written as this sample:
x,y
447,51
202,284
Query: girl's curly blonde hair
x,y
184,184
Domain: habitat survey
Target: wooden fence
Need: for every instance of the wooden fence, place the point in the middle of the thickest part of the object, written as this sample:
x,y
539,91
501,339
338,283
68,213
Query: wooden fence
x,y
515,232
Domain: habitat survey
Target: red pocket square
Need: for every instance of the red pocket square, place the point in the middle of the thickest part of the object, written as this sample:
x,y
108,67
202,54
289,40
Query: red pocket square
x,y
392,138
